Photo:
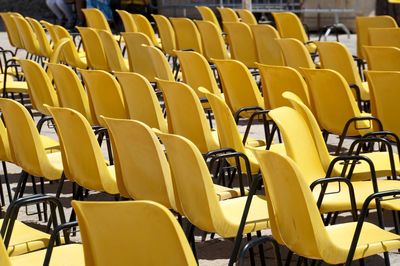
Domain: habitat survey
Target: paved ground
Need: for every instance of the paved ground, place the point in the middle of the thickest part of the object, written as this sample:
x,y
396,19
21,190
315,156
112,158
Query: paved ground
x,y
211,252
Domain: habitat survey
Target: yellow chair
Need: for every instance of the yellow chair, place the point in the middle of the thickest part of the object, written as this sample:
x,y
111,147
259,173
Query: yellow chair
x,y
144,26
295,54
362,26
127,21
82,155
138,59
384,37
242,46
299,224
71,55
167,34
289,26
50,29
207,14
247,17
12,30
115,59
28,37
336,56
95,19
228,15
382,58
139,218
268,50
141,101
95,55
213,41
44,44
187,35
160,63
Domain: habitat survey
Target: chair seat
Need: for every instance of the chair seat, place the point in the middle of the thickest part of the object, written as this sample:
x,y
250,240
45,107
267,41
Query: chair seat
x,y
110,185
364,91
66,255
57,166
50,144
224,193
15,86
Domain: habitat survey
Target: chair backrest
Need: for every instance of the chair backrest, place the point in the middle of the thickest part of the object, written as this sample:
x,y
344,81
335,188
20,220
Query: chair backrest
x,y
95,55
70,91
207,14
268,50
295,211
70,54
213,42
362,26
5,153
141,163
239,87
141,101
197,72
28,37
127,20
144,26
95,19
105,96
11,29
160,63
289,26
166,33
295,53
26,146
242,45
246,16
189,171
187,34
81,151
115,59
228,14
336,56
138,58
186,116
384,37
40,89
50,29
44,44
142,220
382,58
329,91
278,79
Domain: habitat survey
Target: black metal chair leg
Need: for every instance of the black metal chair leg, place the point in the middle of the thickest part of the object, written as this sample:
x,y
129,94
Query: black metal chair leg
x,y
3,203
261,250
44,205
251,251
7,181
19,191
289,258
60,186
39,211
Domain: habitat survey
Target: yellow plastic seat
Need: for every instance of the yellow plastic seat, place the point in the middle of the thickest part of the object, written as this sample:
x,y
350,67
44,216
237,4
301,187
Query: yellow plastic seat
x,y
95,19
336,56
289,26
11,29
213,41
242,45
384,37
144,26
207,14
382,58
71,55
298,222
268,50
228,15
28,37
138,59
95,56
105,96
362,26
247,17
295,54
141,101
50,29
187,35
140,223
82,155
44,44
113,53
127,21
167,34
160,63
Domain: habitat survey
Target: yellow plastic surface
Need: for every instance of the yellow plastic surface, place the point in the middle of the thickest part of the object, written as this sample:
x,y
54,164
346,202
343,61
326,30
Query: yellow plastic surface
x,y
213,42
382,58
167,34
95,19
268,50
187,35
247,17
144,26
115,59
127,20
295,53
95,55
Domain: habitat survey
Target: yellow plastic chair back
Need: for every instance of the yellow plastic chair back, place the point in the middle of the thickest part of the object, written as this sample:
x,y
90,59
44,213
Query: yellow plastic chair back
x,y
197,72
167,34
268,49
95,19
228,15
239,87
138,59
115,59
82,153
144,220
382,58
95,56
144,169
186,115
70,91
28,37
362,26
44,44
11,28
50,29
127,20
61,32
247,17
144,26
141,101
207,14
160,63
105,95
295,53
5,153
71,56
242,46
26,146
213,42
187,35
278,79
40,89
289,26
384,37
